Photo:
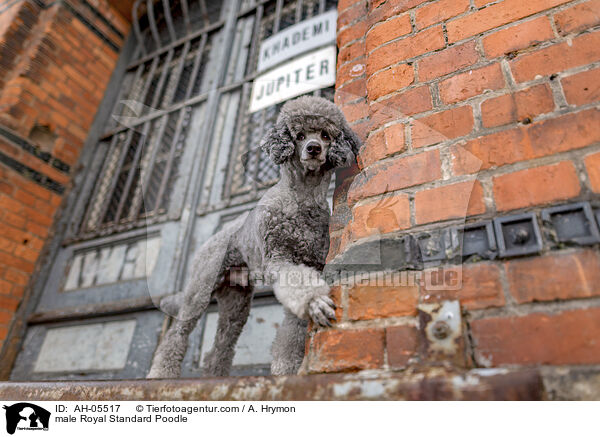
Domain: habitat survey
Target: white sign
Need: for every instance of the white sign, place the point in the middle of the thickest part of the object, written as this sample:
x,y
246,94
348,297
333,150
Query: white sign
x,y
297,39
110,264
308,73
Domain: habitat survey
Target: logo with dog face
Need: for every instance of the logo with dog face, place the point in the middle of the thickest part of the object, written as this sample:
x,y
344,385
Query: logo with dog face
x,y
26,416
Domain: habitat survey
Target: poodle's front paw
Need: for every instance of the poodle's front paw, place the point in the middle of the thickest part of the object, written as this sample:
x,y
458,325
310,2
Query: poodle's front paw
x,y
321,309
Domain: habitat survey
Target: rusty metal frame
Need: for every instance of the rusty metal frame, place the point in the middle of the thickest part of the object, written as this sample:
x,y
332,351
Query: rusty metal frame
x,y
430,384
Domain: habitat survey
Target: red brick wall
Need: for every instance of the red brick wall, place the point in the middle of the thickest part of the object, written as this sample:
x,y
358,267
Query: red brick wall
x,y
470,109
53,73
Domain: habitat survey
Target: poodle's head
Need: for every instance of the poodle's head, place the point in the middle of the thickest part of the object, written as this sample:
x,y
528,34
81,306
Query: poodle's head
x,y
312,132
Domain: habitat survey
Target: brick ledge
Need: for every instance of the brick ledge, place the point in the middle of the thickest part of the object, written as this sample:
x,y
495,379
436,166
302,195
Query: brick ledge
x,y
435,384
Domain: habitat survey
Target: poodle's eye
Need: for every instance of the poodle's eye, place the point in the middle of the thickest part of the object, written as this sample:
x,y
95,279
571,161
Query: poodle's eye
x,y
325,135
300,136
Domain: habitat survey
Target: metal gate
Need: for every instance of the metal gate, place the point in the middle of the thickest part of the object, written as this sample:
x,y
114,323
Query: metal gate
x,y
177,157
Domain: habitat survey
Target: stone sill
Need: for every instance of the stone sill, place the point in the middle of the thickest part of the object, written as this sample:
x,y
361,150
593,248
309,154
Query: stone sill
x,y
433,384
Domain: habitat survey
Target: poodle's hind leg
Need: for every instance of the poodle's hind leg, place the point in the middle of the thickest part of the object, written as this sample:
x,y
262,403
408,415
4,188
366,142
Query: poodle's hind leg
x,y
288,346
171,350
234,307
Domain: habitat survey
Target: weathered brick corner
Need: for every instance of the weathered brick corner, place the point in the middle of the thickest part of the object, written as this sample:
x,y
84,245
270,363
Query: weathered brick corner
x,y
480,122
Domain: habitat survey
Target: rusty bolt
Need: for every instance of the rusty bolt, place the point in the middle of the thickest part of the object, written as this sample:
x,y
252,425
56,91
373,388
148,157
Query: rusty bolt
x,y
440,330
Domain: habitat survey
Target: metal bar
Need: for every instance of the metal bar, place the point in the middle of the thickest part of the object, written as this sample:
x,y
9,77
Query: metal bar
x,y
263,119
169,19
136,26
165,178
192,101
277,22
180,41
94,310
204,12
321,6
255,39
186,15
234,156
171,93
110,151
132,170
147,172
109,192
196,67
162,80
152,21
299,4
146,88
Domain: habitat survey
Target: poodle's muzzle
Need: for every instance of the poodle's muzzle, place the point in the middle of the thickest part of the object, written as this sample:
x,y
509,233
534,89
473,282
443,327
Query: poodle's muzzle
x,y
313,150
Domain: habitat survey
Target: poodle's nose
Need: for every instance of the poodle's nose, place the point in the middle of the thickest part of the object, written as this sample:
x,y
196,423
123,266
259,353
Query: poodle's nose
x,y
313,148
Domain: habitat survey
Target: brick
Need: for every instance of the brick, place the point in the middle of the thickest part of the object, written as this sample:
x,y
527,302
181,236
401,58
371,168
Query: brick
x,y
336,350
583,87
345,4
7,245
5,287
471,83
536,186
556,58
397,107
396,174
351,52
446,125
14,234
381,217
451,201
350,71
387,31
355,111
519,106
19,264
439,11
16,277
24,197
592,165
351,33
14,220
34,228
536,140
569,337
423,42
390,80
384,143
383,301
9,303
480,286
518,37
558,276
448,61
577,18
6,317
401,345
390,8
27,253
351,14
496,15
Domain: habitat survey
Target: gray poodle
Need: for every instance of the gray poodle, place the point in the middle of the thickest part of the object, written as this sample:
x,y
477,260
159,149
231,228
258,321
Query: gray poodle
x,y
283,241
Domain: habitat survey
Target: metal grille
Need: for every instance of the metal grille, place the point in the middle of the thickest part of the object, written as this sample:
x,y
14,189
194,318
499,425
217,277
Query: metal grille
x,y
168,77
144,139
250,169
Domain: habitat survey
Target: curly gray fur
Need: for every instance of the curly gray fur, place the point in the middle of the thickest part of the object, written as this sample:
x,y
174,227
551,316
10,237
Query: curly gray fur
x,y
285,237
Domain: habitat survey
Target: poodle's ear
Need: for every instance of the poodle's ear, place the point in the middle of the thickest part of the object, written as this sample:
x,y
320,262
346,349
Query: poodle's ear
x,y
344,150
277,143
